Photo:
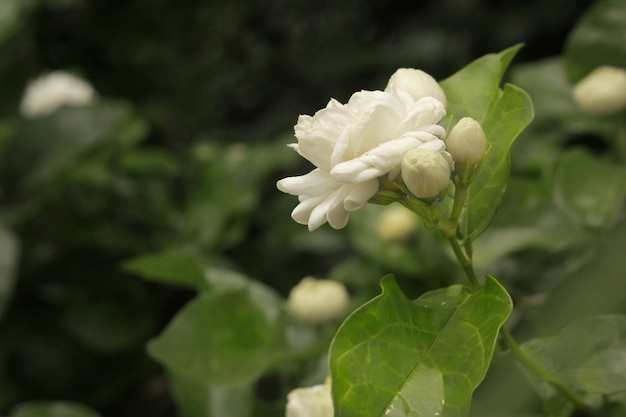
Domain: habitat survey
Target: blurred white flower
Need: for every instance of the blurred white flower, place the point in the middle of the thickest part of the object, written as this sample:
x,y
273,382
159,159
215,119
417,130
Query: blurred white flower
x,y
315,401
47,93
354,144
318,300
602,92
467,142
426,173
396,223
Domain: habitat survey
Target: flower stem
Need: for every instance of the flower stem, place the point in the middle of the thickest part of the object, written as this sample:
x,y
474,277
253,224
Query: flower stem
x,y
543,373
464,261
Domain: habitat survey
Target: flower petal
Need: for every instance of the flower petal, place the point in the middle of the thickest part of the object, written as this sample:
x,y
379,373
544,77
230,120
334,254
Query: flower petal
x,y
378,161
314,183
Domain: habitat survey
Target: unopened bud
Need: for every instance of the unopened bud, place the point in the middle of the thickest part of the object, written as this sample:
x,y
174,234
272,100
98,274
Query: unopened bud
x,y
417,83
467,142
426,173
318,300
602,92
315,401
396,224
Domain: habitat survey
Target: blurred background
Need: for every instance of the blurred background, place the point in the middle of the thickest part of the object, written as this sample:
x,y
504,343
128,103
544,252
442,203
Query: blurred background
x,y
181,149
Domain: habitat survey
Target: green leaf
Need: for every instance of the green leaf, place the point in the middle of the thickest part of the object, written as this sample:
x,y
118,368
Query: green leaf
x,y
171,267
394,357
200,400
589,189
223,336
589,355
510,114
52,409
474,91
598,39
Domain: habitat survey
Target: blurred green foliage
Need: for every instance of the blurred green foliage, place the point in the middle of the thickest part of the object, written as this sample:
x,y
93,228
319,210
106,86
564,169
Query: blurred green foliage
x,y
171,174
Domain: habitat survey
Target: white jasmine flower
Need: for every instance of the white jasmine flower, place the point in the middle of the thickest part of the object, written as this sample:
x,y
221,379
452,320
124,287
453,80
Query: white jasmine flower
x,y
315,401
354,144
47,93
318,300
467,142
396,223
602,92
426,173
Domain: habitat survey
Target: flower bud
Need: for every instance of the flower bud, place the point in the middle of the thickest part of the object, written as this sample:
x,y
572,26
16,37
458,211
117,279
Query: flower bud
x,y
467,142
318,300
602,92
396,223
425,172
47,93
315,401
417,83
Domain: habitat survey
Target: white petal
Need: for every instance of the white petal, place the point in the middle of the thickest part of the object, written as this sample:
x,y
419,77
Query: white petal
x,y
319,215
314,183
375,126
302,212
360,194
375,162
425,111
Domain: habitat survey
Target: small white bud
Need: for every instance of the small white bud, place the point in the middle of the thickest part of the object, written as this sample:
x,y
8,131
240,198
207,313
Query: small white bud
x,y
47,93
425,172
396,223
315,401
467,142
602,92
318,300
417,83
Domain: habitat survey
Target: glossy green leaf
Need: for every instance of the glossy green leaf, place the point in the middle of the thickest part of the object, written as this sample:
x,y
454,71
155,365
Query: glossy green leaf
x,y
589,189
589,355
598,39
503,113
52,409
511,113
394,357
172,267
223,336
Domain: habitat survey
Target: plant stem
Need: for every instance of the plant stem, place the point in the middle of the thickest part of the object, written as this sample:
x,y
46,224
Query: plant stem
x,y
543,373
460,195
464,261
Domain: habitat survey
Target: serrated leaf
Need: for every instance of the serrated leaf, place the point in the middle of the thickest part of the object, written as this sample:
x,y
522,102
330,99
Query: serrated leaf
x,y
222,336
474,91
394,357
589,355
598,39
589,189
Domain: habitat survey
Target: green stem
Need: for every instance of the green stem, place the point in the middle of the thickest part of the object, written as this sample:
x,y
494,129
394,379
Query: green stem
x,y
464,261
460,195
543,373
